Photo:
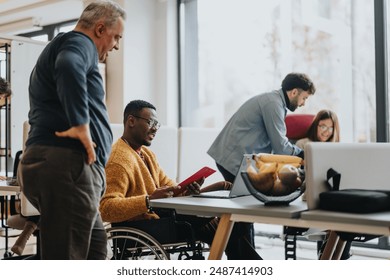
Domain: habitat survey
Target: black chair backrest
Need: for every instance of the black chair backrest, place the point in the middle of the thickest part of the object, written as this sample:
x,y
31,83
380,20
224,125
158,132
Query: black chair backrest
x,y
18,155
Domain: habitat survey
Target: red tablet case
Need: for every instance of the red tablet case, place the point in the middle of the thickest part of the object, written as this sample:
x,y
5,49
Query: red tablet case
x,y
204,172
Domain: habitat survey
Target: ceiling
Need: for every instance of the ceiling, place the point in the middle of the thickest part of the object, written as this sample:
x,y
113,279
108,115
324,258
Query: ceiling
x,y
19,16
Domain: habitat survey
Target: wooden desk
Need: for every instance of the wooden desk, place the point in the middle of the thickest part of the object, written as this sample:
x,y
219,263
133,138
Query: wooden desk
x,y
249,209
8,190
246,208
373,223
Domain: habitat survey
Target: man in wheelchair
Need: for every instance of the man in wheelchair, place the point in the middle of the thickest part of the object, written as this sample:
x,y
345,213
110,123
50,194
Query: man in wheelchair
x,y
134,177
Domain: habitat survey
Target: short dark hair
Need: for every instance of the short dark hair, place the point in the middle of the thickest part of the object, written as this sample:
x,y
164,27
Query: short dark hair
x,y
5,88
298,80
134,107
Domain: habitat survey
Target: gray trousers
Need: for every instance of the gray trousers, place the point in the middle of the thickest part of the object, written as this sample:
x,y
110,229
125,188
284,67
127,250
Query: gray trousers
x,y
66,191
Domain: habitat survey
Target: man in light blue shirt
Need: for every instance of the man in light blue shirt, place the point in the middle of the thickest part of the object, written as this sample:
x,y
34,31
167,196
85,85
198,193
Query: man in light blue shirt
x,y
258,126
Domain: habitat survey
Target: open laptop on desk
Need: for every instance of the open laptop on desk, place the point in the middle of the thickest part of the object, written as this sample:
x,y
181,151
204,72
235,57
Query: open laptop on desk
x,y
238,188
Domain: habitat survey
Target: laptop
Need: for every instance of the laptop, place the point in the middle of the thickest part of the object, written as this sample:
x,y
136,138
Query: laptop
x,y
361,165
238,189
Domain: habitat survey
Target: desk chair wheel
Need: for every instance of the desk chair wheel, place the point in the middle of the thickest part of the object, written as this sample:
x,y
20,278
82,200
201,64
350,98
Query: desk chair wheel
x,y
125,243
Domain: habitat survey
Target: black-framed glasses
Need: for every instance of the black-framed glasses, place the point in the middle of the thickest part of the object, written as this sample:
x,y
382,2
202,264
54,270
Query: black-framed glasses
x,y
151,123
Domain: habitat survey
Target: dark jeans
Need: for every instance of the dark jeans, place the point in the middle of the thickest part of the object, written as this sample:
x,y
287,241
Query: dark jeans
x,y
66,191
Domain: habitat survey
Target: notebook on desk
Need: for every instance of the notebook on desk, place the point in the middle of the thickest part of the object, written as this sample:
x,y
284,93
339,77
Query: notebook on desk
x,y
238,189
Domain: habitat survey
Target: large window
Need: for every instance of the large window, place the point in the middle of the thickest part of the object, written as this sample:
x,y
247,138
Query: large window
x,y
234,49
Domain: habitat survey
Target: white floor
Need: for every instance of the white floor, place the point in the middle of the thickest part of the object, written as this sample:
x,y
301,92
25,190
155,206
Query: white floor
x,y
273,249
270,246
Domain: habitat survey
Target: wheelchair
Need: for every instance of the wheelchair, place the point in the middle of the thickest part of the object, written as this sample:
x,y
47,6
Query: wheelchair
x,y
163,239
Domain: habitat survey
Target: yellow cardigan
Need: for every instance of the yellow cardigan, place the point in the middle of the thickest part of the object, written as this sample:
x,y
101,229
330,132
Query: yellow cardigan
x,y
129,181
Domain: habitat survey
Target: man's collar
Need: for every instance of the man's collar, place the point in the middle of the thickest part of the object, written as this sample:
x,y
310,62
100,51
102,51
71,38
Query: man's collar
x,y
286,98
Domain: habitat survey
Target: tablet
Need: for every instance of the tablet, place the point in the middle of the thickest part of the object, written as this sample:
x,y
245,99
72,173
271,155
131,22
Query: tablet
x,y
204,172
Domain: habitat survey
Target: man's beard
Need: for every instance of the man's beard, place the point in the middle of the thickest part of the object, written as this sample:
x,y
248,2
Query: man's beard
x,y
146,143
293,105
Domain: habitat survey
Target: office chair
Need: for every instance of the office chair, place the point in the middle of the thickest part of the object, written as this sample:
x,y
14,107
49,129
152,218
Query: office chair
x,y
297,126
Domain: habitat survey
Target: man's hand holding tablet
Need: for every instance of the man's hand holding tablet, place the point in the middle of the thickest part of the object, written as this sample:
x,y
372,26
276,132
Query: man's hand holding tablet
x,y
200,174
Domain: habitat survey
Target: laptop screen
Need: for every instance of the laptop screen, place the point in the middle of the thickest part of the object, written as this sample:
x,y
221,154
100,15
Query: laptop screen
x,y
239,188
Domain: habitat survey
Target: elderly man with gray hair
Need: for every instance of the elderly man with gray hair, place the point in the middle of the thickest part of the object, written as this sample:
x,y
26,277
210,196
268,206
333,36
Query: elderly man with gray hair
x,y
62,170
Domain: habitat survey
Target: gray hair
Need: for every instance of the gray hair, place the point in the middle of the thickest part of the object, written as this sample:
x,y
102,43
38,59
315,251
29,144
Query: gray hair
x,y
107,10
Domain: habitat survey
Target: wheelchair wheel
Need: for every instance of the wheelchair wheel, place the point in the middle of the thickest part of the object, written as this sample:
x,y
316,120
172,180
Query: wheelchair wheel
x,y
127,243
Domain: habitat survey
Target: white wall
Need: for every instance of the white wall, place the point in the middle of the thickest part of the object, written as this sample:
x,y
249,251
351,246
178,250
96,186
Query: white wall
x,y
145,67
